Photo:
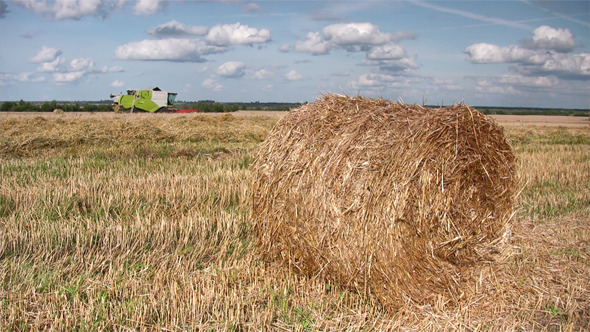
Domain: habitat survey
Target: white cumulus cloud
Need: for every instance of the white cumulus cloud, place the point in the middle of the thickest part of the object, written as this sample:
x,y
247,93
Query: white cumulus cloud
x,y
386,52
8,79
531,81
117,84
65,9
172,49
175,28
68,77
232,69
113,69
400,66
148,7
490,53
548,38
293,75
381,48
211,84
47,54
81,64
575,66
314,44
355,34
262,74
285,48
236,34
545,54
50,67
251,7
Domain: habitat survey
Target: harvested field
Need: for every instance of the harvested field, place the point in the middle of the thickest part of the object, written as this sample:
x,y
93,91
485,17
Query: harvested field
x,y
139,222
504,120
542,120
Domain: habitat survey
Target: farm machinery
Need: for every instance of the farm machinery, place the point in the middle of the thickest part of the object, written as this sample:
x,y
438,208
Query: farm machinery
x,y
150,100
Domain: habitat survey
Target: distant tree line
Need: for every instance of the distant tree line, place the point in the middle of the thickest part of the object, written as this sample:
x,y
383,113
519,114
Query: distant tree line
x,y
203,106
207,106
534,111
210,106
50,106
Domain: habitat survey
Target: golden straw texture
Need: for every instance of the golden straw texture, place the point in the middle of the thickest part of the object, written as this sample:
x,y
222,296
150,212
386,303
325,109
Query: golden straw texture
x,y
393,200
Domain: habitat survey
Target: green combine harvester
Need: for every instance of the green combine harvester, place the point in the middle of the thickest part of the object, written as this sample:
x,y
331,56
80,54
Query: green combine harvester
x,y
150,100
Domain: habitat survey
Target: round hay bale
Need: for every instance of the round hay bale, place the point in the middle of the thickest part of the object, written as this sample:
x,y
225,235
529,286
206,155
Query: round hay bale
x,y
58,111
388,199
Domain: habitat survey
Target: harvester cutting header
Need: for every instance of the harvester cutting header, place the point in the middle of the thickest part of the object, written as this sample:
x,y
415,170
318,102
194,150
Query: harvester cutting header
x,y
150,100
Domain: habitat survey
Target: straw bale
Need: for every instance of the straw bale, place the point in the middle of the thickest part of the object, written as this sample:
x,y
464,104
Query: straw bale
x,y
393,200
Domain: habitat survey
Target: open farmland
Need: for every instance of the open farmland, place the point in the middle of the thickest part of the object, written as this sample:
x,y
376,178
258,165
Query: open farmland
x,y
140,222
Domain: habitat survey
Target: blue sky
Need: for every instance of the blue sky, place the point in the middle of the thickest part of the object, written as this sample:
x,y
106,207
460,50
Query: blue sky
x,y
497,53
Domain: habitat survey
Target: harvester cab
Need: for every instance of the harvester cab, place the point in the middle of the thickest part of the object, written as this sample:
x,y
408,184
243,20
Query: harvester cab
x,y
150,100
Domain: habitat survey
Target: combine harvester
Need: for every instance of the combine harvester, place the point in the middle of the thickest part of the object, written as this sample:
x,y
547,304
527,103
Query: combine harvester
x,y
151,100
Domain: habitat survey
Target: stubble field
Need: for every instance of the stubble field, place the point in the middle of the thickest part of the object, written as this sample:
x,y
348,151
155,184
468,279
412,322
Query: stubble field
x,y
140,222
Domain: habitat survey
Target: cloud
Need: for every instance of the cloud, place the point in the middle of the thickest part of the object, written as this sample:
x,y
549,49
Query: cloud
x,y
381,48
236,34
529,81
68,77
399,66
50,67
173,49
65,9
314,44
548,38
47,54
148,7
444,84
366,80
81,64
263,74
542,55
231,69
484,87
251,7
380,80
285,48
490,53
401,35
117,84
212,85
355,34
566,66
386,52
377,84
175,28
9,79
293,75
114,69
3,8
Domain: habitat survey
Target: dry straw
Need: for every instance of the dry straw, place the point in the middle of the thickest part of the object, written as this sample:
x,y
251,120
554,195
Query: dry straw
x,y
397,201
